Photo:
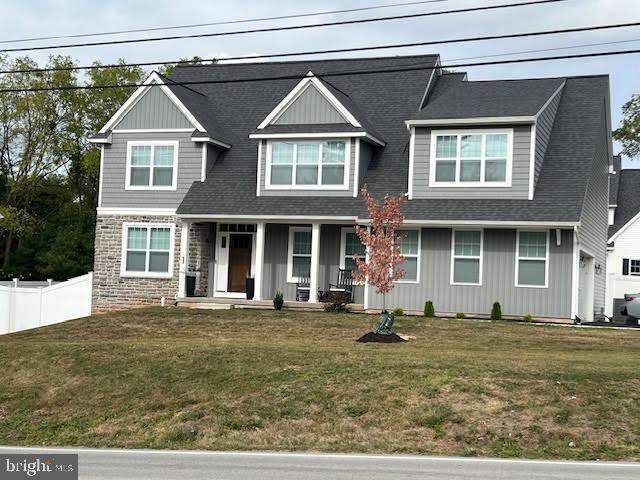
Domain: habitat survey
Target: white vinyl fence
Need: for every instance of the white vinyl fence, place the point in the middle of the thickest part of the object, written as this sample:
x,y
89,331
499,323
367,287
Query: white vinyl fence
x,y
24,308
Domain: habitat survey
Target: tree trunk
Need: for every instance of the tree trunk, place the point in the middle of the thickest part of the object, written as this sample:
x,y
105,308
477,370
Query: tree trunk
x,y
7,250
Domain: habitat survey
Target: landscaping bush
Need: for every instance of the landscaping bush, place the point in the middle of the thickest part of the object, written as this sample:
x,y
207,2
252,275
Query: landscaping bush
x,y
429,311
460,315
496,312
527,318
278,300
398,311
336,307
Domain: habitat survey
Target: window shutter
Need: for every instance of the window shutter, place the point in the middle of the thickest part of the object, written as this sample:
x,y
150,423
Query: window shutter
x,y
625,266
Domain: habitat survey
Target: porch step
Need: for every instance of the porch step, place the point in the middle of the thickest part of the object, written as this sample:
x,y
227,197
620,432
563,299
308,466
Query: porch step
x,y
228,303
206,305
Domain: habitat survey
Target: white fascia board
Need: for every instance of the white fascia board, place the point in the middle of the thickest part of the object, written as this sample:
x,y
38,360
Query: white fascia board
x,y
624,227
106,140
212,141
156,212
442,122
481,223
310,79
364,135
153,79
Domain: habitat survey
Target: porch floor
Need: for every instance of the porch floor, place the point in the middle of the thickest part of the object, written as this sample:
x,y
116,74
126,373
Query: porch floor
x,y
222,303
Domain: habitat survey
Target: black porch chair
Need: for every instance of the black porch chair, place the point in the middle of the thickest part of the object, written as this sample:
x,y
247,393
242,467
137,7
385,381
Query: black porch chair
x,y
343,288
303,287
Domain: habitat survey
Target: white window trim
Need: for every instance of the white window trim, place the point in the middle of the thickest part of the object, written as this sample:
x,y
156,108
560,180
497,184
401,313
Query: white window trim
x,y
123,248
152,143
454,256
347,166
518,258
343,245
631,274
482,183
418,255
292,230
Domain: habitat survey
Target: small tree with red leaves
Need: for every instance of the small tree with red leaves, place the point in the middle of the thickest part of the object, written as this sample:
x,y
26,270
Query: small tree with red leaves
x,y
383,249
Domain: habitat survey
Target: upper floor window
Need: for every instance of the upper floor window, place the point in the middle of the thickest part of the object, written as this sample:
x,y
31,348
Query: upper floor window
x,y
147,250
471,158
152,165
307,164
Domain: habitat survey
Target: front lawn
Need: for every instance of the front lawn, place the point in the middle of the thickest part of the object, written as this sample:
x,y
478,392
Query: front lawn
x,y
243,379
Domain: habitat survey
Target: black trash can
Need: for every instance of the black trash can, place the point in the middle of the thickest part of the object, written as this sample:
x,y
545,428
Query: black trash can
x,y
250,287
191,284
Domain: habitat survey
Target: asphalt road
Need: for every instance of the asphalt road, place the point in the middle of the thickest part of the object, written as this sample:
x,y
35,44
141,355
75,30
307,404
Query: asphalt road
x,y
153,464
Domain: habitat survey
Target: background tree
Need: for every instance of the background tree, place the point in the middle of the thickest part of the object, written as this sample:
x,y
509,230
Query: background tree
x,y
383,246
629,131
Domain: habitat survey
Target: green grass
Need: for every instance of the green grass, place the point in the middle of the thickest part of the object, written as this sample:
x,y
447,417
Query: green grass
x,y
242,379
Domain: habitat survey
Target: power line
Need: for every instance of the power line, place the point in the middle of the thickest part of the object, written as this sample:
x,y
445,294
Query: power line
x,y
279,29
330,74
225,22
338,50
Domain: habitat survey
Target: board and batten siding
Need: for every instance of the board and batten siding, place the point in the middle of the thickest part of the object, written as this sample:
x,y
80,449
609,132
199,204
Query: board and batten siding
x,y
544,127
114,193
153,111
307,192
520,169
498,282
594,222
275,261
310,107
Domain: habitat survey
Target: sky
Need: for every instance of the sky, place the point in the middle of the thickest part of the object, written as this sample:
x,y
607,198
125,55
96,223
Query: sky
x,y
34,18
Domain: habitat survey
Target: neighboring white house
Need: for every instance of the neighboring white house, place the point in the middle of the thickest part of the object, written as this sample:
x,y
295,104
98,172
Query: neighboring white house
x,y
623,250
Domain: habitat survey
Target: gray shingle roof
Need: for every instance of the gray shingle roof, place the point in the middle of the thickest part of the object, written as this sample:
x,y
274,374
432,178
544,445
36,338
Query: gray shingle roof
x,y
388,99
502,98
628,199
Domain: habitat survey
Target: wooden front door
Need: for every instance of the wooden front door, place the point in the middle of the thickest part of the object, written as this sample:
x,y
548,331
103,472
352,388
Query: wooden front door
x,y
239,261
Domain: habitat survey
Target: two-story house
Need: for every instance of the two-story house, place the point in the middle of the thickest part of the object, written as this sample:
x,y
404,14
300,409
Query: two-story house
x,y
230,170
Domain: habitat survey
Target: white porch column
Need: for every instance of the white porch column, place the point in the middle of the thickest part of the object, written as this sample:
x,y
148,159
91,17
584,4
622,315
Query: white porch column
x,y
260,227
184,260
315,263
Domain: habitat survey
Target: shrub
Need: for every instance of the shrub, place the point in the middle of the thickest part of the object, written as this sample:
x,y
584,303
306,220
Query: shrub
x,y
527,318
278,300
429,311
398,311
460,315
496,312
336,307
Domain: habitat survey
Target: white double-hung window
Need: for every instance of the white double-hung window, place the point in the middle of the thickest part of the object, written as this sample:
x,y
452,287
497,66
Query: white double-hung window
x,y
147,250
299,254
351,245
471,158
410,250
532,259
307,164
152,165
466,257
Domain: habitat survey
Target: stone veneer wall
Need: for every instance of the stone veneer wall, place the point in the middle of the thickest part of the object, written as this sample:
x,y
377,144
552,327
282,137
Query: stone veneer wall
x,y
113,292
199,256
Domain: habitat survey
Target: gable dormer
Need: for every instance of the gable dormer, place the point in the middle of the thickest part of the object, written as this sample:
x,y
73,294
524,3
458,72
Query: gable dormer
x,y
484,139
314,142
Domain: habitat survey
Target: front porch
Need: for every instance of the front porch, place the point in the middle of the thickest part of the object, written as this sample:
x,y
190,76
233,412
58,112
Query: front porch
x,y
225,260
214,303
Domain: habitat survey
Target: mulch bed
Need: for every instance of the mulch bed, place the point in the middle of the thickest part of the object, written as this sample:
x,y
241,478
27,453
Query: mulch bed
x,y
377,338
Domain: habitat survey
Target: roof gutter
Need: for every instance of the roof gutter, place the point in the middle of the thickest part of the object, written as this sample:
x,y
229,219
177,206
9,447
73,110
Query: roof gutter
x,y
432,122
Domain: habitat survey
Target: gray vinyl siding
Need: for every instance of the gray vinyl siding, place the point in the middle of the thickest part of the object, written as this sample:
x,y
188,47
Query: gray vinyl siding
x,y
366,154
115,160
311,107
154,111
520,170
498,282
275,261
544,126
307,193
594,222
